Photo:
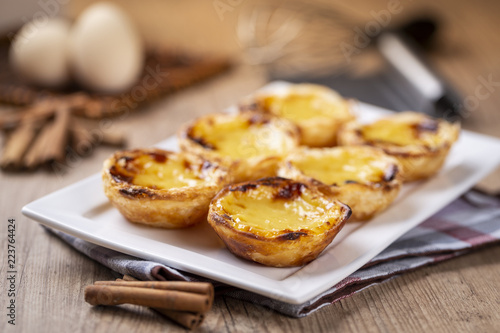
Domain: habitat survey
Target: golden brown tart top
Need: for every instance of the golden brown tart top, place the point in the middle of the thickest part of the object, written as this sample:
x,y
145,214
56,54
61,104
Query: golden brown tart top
x,y
242,135
278,207
302,102
409,130
316,110
344,165
158,169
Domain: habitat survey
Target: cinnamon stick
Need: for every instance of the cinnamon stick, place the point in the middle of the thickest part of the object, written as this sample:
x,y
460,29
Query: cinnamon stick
x,y
38,112
59,138
165,299
203,288
51,142
187,319
81,140
34,156
17,144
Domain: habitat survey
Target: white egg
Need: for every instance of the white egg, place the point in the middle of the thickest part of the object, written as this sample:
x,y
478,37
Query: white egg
x,y
39,52
106,50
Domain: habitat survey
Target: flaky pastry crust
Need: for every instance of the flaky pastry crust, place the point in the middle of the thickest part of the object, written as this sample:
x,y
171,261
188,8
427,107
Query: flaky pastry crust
x,y
251,144
176,205
364,178
294,225
321,113
421,146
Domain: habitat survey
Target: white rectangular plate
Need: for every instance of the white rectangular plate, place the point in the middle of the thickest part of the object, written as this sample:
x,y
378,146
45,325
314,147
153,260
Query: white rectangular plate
x,y
82,210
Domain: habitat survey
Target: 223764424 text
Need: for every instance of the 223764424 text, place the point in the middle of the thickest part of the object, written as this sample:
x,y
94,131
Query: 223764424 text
x,y
11,271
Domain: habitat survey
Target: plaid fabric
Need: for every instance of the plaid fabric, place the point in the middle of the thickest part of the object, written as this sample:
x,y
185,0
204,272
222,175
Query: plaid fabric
x,y
469,222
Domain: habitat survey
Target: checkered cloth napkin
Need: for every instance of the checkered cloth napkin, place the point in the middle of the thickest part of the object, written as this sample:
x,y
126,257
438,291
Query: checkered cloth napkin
x,y
470,222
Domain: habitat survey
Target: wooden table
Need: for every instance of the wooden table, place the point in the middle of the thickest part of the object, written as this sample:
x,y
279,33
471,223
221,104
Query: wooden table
x,y
462,294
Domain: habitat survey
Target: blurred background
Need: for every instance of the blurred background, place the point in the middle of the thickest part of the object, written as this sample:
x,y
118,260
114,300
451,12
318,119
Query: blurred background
x,y
294,39
439,57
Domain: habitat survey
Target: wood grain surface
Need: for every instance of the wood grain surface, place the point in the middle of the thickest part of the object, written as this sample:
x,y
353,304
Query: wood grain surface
x,y
461,295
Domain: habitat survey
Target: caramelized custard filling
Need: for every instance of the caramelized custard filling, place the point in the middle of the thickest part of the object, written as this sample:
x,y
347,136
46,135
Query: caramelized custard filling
x,y
238,137
149,171
402,133
302,106
259,211
339,167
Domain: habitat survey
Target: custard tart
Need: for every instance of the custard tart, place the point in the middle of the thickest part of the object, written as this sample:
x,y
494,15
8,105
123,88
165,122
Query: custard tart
x,y
250,144
364,178
419,142
316,110
276,221
162,188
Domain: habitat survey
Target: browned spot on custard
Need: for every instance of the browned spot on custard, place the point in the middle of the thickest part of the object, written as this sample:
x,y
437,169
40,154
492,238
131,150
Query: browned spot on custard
x,y
200,141
118,176
289,191
273,181
160,158
125,162
243,187
186,164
